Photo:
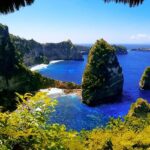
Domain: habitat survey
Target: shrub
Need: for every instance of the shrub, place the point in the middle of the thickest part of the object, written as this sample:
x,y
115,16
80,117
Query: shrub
x,y
27,129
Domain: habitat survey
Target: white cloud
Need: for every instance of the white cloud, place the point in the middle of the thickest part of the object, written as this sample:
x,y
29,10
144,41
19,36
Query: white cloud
x,y
140,36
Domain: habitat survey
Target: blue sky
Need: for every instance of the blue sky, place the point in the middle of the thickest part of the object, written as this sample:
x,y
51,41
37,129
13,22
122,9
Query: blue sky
x,y
82,21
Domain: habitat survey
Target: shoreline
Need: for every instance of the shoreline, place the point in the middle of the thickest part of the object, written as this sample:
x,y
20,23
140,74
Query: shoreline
x,y
57,92
43,66
78,92
38,67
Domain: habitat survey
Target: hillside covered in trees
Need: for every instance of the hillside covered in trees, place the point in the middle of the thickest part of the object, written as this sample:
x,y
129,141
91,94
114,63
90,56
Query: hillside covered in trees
x,y
36,53
15,77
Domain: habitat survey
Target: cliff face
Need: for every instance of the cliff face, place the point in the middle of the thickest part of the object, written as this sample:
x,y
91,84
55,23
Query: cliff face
x,y
14,76
64,50
103,78
31,51
36,53
3,32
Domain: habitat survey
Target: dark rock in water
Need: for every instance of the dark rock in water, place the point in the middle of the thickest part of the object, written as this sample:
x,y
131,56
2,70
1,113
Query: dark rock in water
x,y
141,49
145,79
103,78
140,108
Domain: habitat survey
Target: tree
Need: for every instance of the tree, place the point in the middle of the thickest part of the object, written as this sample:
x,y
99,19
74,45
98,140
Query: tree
x,y
9,58
7,6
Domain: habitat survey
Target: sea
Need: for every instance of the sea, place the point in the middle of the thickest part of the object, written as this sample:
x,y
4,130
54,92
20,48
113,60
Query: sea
x,y
75,115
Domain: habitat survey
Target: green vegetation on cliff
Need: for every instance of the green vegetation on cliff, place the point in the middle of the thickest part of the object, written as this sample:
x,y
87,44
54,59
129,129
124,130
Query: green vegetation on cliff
x,y
37,53
9,58
31,51
145,79
139,109
27,128
103,78
15,77
27,81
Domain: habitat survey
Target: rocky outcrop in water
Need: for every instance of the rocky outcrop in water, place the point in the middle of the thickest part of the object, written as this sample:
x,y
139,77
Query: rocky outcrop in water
x,y
145,79
103,78
141,49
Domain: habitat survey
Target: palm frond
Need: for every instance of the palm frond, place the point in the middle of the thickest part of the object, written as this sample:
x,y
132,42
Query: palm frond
x,y
7,6
130,2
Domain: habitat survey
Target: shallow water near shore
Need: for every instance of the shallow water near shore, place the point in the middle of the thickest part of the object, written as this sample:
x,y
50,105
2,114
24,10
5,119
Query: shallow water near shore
x,y
76,115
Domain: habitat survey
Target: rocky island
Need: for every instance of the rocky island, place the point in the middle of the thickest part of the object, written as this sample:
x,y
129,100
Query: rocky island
x,y
145,79
141,49
103,78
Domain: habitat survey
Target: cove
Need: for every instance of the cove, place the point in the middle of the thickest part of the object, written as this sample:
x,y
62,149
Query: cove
x,y
75,115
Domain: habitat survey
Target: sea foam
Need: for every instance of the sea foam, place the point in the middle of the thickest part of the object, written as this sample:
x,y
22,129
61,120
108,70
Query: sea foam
x,y
38,67
55,61
53,92
43,66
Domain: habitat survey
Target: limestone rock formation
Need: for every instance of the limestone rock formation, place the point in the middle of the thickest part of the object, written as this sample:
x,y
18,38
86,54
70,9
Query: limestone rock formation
x,y
103,78
37,53
145,79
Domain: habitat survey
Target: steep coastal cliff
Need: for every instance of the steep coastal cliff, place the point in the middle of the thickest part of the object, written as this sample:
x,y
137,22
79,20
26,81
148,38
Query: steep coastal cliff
x,y
15,77
63,50
36,53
